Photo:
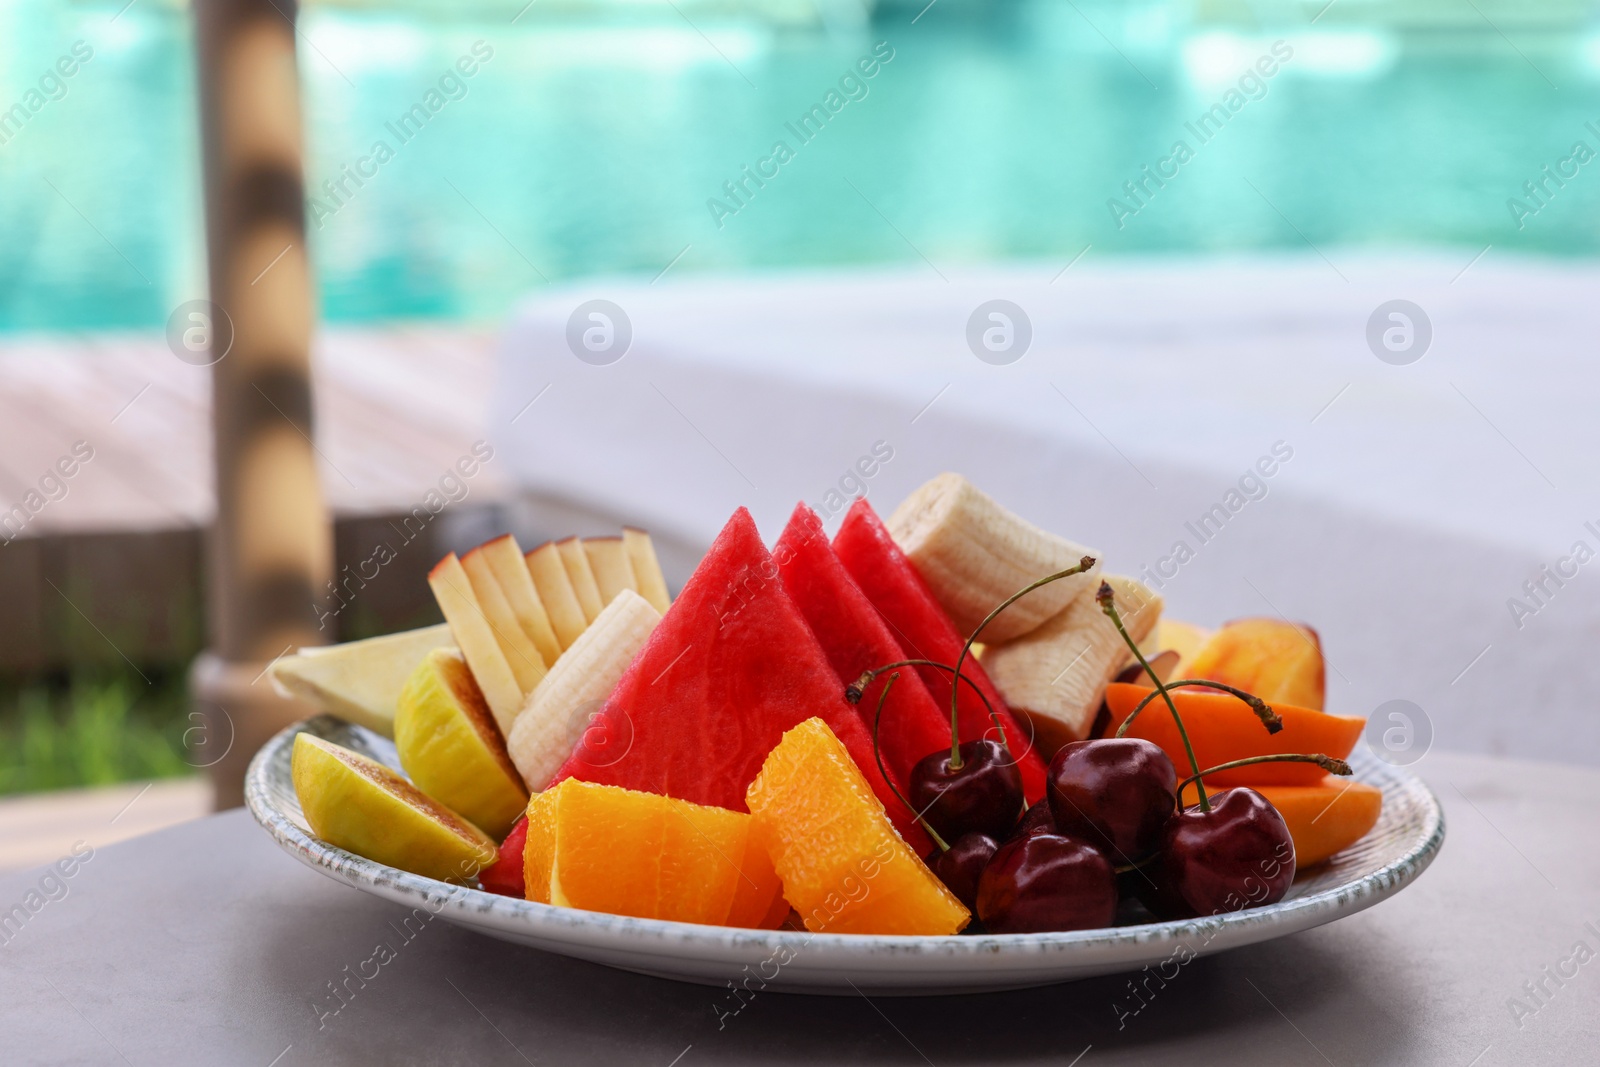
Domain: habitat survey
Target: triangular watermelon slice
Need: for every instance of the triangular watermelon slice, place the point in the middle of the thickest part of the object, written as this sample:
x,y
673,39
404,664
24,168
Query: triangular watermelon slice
x,y
891,581
855,638
729,668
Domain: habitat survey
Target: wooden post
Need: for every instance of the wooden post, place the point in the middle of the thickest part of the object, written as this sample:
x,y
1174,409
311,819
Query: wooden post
x,y
270,551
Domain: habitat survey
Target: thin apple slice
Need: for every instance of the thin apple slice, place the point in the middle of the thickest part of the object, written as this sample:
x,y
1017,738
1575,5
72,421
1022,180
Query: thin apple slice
x,y
504,556
359,681
475,637
646,568
526,663
576,560
608,559
549,576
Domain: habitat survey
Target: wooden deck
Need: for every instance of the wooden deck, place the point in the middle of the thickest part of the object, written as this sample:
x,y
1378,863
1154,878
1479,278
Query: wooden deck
x,y
106,564
395,408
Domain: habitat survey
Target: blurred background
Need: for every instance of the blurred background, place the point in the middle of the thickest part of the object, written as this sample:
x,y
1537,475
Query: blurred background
x,y
596,149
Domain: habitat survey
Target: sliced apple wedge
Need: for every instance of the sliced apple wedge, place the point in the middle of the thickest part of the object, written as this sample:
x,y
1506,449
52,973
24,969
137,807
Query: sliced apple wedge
x,y
608,559
475,637
449,745
504,557
646,568
526,663
359,805
576,560
359,681
549,576
557,714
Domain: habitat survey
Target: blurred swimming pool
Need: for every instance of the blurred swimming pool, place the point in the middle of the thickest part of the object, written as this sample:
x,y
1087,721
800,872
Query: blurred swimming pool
x,y
580,147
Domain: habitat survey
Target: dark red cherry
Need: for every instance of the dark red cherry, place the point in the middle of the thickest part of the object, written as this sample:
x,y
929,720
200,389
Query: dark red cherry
x,y
1036,820
1117,793
1237,855
983,795
1152,886
961,865
1043,881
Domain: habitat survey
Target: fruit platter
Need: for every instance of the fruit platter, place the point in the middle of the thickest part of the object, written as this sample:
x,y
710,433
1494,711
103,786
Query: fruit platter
x,y
944,752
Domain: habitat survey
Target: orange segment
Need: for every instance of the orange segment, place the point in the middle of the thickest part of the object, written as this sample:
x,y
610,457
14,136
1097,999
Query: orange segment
x,y
700,872
539,853
1325,818
842,864
604,848
758,899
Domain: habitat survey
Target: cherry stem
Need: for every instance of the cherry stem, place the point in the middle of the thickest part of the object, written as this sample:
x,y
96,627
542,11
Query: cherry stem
x,y
1269,718
1106,597
877,754
853,692
1327,763
955,741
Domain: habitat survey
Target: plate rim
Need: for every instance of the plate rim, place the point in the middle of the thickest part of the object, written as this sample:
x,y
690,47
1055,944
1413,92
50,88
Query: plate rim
x,y
661,937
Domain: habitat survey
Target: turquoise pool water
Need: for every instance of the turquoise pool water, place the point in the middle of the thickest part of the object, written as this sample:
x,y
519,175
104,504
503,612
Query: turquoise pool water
x,y
579,148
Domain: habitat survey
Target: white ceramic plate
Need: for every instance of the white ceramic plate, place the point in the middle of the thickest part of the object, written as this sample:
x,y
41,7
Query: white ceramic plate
x,y
1406,839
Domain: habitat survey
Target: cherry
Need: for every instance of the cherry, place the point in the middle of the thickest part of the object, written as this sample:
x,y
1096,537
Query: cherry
x,y
1036,820
1237,855
1117,793
1152,885
1042,881
961,865
978,792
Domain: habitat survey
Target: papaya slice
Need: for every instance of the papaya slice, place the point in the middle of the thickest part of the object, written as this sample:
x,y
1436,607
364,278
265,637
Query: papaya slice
x,y
1222,728
1326,818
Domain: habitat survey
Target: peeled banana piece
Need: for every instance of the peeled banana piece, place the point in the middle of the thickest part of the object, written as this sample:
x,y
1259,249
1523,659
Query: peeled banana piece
x,y
1057,674
556,714
974,553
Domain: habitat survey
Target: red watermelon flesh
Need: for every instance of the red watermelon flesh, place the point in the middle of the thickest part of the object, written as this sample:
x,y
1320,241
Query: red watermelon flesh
x,y
855,638
891,581
729,668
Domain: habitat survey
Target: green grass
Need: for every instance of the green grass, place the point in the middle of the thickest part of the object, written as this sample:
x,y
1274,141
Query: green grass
x,y
92,728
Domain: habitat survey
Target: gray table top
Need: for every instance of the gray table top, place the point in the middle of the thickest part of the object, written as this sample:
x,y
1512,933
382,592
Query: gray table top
x,y
205,944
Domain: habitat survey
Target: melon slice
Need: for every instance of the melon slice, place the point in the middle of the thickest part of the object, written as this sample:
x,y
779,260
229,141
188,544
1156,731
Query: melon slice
x,y
890,580
359,681
729,668
855,639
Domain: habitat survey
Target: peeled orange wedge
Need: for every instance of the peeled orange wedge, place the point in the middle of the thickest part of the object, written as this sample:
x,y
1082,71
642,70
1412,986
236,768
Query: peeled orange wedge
x,y
362,806
451,748
605,848
843,866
